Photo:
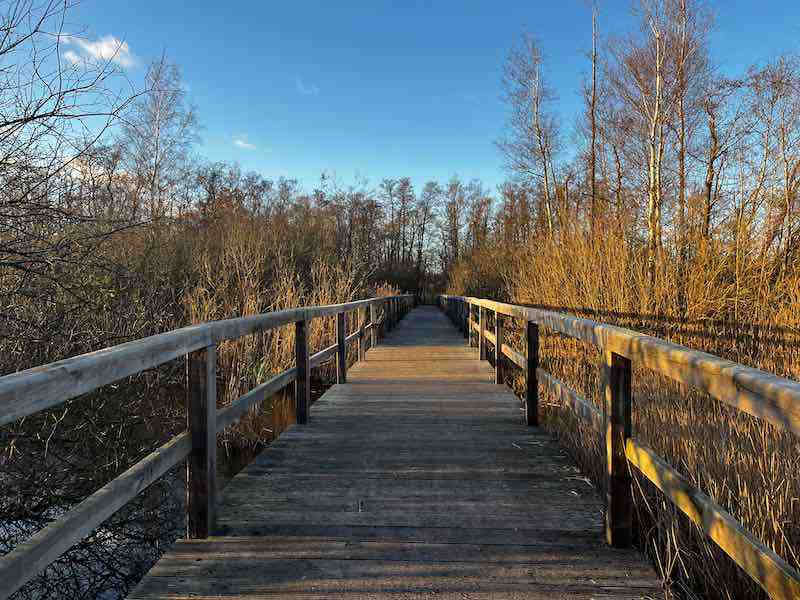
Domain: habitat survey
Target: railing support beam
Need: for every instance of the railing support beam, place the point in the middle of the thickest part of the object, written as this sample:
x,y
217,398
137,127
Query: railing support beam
x,y
361,318
302,387
619,496
482,333
531,382
201,422
373,331
498,348
468,321
341,348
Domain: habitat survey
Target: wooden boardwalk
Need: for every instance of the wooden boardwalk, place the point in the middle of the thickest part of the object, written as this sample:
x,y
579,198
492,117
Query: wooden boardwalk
x,y
416,479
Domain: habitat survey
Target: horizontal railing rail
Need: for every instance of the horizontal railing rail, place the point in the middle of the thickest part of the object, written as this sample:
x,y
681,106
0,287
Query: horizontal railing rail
x,y
28,392
774,399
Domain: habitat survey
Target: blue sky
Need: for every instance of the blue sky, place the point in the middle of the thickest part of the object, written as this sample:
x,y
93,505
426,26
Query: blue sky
x,y
377,88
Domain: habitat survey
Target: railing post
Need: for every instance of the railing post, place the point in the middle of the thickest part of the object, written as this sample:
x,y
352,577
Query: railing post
x,y
467,322
361,318
373,319
531,381
498,348
302,388
619,496
482,333
201,422
341,349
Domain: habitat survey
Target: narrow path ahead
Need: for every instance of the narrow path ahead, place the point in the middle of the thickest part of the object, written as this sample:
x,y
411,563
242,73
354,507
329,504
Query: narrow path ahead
x,y
416,479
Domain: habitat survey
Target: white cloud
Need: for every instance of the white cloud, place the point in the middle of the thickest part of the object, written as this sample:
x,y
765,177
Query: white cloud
x,y
241,142
107,48
306,89
72,57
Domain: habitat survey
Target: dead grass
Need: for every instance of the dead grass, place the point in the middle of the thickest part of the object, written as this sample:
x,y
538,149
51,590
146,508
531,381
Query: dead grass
x,y
738,305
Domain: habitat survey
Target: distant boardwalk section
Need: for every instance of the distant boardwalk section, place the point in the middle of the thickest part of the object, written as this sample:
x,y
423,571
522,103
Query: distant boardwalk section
x,y
418,478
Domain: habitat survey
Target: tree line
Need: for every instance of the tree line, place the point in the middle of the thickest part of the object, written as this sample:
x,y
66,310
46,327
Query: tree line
x,y
688,176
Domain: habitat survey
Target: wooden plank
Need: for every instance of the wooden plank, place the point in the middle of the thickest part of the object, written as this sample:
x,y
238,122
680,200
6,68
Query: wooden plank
x,y
31,556
341,350
579,405
764,566
228,415
201,464
322,356
302,389
619,495
758,393
34,390
531,368
516,357
248,551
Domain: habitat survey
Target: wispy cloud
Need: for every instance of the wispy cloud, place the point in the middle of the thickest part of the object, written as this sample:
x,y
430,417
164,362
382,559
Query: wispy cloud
x,y
107,48
305,88
240,141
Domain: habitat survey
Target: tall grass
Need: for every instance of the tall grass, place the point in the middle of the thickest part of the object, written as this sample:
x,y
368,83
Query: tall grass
x,y
747,466
142,282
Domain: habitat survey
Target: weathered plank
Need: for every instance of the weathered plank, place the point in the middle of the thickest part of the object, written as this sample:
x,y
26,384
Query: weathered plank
x,y
228,415
570,398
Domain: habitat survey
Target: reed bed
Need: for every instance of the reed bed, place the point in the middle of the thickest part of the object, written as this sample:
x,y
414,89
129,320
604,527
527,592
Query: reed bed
x,y
747,466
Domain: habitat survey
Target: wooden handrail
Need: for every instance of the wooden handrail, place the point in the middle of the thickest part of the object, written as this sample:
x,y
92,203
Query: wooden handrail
x,y
33,390
760,394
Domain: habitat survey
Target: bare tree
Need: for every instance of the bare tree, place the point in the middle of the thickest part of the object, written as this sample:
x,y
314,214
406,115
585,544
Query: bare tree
x,y
157,134
638,74
531,140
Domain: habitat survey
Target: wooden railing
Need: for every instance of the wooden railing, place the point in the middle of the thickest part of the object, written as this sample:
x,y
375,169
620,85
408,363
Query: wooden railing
x,y
28,392
763,395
